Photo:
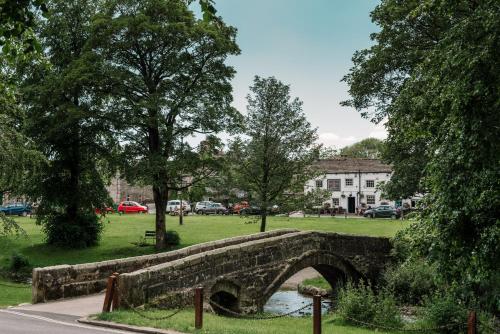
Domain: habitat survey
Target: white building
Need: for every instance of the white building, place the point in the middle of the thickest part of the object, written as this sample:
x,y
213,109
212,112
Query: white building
x,y
352,182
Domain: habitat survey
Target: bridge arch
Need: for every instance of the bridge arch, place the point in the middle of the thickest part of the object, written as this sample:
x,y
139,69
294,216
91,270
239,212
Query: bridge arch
x,y
334,268
226,293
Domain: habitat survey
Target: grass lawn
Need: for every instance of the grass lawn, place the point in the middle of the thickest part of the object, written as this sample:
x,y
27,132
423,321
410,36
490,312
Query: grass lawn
x,y
13,293
318,282
121,231
184,322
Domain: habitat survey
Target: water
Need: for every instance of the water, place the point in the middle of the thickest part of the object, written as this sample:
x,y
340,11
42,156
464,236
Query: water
x,y
285,301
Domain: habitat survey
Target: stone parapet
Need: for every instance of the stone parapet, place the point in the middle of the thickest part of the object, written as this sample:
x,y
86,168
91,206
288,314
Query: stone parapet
x,y
64,281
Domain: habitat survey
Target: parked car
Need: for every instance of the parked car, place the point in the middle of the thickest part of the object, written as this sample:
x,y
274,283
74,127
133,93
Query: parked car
x,y
383,211
173,206
20,209
131,207
255,210
239,206
104,210
213,208
250,210
201,205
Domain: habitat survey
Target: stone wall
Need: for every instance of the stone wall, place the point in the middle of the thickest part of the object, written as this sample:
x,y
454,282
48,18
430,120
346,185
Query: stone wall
x,y
250,272
65,281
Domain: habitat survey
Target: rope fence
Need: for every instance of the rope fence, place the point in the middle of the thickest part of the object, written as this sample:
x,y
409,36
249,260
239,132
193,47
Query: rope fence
x,y
111,301
256,316
414,330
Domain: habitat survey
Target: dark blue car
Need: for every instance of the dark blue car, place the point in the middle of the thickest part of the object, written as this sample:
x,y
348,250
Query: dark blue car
x,y
19,209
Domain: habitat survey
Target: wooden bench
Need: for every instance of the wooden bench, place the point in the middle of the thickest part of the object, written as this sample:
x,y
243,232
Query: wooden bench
x,y
150,235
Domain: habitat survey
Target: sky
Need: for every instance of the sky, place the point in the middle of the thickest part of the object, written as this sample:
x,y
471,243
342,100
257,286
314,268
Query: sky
x,y
307,44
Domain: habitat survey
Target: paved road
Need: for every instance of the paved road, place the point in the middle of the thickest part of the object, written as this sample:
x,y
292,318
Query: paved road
x,y
32,322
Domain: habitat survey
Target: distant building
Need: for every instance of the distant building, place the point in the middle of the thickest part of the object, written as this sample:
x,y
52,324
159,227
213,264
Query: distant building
x,y
352,182
120,190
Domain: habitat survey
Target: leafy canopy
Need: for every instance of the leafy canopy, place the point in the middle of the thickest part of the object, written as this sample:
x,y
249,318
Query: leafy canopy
x,y
433,74
170,81
279,147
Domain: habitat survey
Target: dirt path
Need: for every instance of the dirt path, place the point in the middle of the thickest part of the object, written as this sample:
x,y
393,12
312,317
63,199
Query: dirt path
x,y
294,281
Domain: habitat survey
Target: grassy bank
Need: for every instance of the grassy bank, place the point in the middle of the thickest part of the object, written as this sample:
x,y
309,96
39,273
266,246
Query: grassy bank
x,y
184,322
317,282
121,232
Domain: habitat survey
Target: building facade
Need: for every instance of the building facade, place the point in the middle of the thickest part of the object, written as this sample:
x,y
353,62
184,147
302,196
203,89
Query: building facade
x,y
353,182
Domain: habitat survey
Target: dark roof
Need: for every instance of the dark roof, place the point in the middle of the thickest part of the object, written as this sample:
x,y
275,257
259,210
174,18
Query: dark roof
x,y
353,165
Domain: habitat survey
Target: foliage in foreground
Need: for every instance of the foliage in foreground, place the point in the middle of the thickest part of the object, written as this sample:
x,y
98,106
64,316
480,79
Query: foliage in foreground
x,y
411,281
361,303
432,73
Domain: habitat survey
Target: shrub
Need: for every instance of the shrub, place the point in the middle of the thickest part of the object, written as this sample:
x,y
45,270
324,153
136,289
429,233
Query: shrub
x,y
444,310
387,312
172,238
83,232
362,304
18,263
411,281
356,302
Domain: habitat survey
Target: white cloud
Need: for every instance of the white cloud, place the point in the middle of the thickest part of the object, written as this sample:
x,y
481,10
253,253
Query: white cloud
x,y
333,139
382,134
379,132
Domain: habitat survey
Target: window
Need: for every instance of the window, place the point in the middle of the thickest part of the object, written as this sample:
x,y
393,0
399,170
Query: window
x,y
370,183
319,183
348,182
336,201
334,184
370,199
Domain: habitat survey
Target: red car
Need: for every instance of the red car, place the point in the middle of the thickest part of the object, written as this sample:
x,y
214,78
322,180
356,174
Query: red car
x,y
239,206
131,207
105,211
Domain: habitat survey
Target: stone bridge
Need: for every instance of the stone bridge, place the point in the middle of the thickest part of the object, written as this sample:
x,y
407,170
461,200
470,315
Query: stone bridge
x,y
240,273
243,276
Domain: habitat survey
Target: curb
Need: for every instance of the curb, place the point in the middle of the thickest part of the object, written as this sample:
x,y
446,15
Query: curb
x,y
130,328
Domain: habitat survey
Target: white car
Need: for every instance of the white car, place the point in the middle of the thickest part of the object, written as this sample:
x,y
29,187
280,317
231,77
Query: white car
x,y
202,205
174,206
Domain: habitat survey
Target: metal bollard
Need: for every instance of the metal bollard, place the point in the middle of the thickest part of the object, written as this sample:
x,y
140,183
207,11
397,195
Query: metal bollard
x,y
198,308
472,323
317,314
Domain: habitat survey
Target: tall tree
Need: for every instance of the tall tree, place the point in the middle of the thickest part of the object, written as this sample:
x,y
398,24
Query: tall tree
x,y
65,119
433,73
370,148
280,147
171,82
17,23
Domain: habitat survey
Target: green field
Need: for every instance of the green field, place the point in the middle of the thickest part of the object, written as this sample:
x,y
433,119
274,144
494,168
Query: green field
x,y
184,322
121,232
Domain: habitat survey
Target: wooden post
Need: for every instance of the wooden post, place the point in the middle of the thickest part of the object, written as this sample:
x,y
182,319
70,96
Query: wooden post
x,y
108,298
198,308
472,323
317,314
115,302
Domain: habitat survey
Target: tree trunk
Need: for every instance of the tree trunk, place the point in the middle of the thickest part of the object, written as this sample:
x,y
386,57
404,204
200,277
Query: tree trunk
x,y
160,205
74,180
263,216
